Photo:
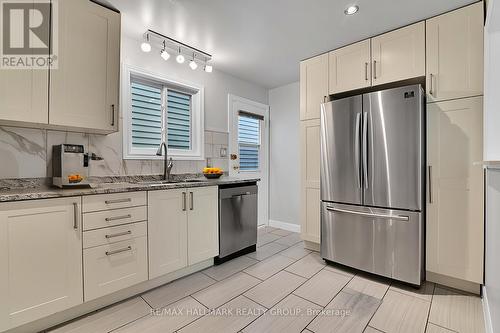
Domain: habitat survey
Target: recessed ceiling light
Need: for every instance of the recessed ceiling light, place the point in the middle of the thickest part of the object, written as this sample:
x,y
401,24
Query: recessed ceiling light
x,y
351,10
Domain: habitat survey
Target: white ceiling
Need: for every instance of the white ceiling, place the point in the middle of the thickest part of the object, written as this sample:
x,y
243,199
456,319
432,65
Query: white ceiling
x,y
262,41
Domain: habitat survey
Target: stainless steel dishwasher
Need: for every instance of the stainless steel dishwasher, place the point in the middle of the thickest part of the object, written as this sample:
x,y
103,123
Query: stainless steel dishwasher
x,y
237,220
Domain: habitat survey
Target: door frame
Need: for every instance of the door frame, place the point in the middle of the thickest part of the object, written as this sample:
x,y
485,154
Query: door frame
x,y
232,108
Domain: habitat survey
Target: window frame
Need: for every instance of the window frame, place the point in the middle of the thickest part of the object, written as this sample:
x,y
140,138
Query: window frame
x,y
246,144
130,73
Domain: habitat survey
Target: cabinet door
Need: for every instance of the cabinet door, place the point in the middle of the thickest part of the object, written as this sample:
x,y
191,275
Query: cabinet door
x,y
349,67
167,231
84,87
455,54
455,189
24,94
399,54
313,86
203,224
310,190
40,259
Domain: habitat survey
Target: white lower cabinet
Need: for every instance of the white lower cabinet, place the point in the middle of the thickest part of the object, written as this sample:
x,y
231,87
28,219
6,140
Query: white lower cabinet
x,y
40,259
113,267
183,228
455,218
167,225
310,180
115,238
203,226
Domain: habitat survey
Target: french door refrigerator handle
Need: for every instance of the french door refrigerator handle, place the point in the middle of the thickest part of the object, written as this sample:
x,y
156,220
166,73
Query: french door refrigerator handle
x,y
393,217
356,147
365,149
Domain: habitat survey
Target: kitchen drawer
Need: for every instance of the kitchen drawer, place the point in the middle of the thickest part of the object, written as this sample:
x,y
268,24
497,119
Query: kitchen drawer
x,y
109,268
93,203
106,236
109,218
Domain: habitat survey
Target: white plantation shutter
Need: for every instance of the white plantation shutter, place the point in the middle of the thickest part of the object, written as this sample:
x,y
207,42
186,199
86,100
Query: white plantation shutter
x,y
178,120
146,115
160,110
249,141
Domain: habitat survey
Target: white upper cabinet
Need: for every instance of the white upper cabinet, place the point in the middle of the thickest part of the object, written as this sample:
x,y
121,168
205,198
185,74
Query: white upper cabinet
x,y
84,88
455,54
349,67
399,54
24,95
40,259
313,86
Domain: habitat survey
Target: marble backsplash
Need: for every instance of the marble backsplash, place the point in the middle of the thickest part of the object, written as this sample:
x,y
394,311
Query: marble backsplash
x,y
27,153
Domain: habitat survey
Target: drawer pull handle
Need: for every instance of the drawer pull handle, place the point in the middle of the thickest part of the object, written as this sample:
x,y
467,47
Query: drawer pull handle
x,y
119,234
110,253
109,202
118,217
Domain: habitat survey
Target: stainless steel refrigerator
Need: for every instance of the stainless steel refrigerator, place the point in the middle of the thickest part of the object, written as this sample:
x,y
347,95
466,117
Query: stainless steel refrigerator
x,y
372,171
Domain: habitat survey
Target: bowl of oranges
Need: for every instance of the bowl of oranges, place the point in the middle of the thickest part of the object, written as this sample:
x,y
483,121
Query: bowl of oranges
x,y
212,173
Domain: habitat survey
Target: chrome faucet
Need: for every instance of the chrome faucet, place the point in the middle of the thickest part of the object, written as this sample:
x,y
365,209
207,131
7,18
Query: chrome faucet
x,y
168,164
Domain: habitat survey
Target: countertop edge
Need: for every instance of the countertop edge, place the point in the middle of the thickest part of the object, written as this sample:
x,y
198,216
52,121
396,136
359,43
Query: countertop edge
x,y
53,193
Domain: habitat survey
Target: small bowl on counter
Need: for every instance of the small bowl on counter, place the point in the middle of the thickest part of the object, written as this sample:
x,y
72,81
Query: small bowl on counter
x,y
212,173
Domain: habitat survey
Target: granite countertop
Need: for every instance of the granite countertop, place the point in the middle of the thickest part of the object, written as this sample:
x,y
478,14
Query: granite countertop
x,y
22,189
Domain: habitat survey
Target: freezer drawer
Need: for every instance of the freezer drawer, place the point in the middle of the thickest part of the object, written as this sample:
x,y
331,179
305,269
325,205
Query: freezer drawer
x,y
379,241
237,219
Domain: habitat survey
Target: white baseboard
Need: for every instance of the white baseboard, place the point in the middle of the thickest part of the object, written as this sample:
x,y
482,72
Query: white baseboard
x,y
486,310
284,225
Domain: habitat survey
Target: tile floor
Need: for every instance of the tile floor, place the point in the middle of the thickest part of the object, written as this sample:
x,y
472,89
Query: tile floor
x,y
283,287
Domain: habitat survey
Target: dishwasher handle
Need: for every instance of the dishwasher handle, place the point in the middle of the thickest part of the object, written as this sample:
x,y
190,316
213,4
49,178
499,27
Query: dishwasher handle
x,y
240,195
237,192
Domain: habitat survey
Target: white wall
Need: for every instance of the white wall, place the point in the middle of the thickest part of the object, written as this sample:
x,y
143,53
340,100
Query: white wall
x,y
217,84
27,152
492,152
284,190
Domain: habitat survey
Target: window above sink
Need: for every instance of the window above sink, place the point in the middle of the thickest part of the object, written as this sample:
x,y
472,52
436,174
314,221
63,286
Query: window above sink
x,y
157,109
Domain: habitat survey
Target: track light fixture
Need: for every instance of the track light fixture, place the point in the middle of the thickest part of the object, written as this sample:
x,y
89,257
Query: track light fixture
x,y
145,46
180,58
164,54
198,57
193,63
